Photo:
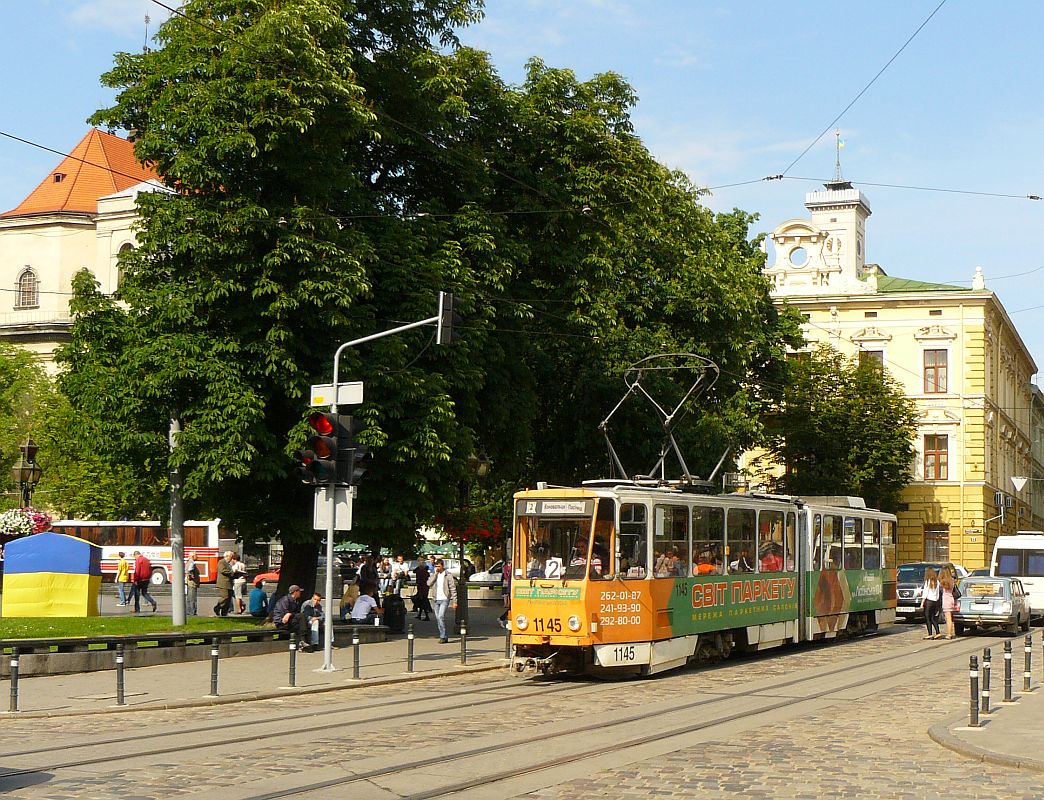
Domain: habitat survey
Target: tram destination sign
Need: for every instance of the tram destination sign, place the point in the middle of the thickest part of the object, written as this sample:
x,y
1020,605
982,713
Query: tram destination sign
x,y
557,508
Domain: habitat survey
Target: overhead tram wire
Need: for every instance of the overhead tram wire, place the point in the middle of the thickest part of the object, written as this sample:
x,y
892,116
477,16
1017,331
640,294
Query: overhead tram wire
x,y
863,91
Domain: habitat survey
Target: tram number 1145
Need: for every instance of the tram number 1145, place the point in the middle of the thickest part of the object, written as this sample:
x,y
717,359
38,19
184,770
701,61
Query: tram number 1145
x,y
547,625
624,653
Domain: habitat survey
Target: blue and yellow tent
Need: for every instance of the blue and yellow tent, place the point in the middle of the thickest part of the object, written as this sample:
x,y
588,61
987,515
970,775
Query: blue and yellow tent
x,y
51,575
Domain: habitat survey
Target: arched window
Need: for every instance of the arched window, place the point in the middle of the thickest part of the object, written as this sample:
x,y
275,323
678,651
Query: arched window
x,y
28,292
127,247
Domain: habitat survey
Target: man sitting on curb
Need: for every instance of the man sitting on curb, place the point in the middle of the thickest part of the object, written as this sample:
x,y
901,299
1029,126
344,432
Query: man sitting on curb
x,y
286,614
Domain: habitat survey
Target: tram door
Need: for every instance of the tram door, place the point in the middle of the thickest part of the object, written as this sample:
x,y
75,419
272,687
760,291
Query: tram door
x,y
803,564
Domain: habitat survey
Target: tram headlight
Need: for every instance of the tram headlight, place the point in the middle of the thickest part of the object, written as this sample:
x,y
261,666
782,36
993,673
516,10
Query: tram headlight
x,y
574,623
521,622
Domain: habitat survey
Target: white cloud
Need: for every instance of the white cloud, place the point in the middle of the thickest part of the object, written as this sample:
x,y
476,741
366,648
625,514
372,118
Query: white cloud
x,y
124,17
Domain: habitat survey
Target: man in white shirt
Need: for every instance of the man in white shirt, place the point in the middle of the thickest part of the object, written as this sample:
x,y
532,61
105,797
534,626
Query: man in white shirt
x,y
365,608
443,590
400,571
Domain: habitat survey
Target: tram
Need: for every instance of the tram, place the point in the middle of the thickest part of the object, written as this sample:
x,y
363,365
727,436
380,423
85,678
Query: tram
x,y
632,576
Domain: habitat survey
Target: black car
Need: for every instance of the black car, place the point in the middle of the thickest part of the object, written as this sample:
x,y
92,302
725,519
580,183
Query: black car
x,y
909,581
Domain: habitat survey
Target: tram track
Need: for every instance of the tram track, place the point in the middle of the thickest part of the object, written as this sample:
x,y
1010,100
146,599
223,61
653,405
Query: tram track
x,y
345,716
486,779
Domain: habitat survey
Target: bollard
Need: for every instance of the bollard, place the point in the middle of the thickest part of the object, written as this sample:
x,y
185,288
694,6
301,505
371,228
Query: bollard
x,y
213,666
409,649
987,666
120,701
14,679
463,643
1027,674
293,659
973,675
507,643
355,656
1007,671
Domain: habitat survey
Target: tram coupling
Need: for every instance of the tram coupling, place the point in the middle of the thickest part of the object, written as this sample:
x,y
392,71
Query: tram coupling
x,y
529,666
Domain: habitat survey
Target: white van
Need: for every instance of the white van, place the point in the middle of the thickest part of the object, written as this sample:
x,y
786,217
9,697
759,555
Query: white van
x,y
1022,556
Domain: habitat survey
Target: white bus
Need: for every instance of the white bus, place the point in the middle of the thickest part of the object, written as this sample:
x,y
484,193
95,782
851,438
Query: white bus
x,y
1022,556
202,538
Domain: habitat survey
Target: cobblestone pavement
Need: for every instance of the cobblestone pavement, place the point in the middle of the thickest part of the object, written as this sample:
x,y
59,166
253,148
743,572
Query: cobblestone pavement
x,y
871,746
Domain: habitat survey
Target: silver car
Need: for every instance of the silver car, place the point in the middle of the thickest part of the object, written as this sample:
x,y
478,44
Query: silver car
x,y
987,601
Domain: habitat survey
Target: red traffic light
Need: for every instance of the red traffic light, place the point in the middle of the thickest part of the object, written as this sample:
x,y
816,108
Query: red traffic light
x,y
322,423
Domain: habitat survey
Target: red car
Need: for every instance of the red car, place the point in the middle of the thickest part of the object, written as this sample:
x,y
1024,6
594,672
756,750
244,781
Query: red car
x,y
262,579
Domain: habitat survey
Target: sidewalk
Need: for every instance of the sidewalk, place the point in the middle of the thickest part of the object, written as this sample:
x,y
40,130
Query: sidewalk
x,y
1010,736
266,676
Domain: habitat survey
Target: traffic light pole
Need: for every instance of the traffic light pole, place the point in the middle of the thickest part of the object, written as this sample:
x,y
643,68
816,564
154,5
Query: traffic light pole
x,y
438,319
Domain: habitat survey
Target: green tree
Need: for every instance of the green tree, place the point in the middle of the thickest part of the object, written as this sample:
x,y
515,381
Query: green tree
x,y
844,428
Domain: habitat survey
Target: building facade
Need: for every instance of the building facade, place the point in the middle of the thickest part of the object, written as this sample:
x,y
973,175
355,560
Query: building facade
x,y
957,355
80,217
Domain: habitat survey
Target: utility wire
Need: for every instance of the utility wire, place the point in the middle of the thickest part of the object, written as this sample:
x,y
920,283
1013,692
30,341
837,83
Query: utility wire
x,y
864,89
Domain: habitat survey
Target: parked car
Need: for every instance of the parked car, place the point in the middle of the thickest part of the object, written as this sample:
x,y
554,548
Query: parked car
x,y
987,601
910,580
493,576
267,579
980,572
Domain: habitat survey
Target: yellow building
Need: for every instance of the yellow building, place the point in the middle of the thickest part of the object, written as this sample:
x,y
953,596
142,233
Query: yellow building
x,y
960,359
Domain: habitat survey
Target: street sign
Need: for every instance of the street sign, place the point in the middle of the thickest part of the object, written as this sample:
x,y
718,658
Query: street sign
x,y
1018,482
343,496
349,393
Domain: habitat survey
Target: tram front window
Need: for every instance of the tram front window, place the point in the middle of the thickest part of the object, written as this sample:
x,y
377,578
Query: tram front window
x,y
557,548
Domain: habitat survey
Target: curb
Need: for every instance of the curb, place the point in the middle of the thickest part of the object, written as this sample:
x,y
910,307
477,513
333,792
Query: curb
x,y
941,734
275,694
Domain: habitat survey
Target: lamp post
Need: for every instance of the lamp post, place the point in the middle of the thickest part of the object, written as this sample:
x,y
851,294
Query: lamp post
x,y
26,472
479,466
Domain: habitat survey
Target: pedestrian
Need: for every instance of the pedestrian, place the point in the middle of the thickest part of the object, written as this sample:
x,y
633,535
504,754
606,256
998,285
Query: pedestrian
x,y
239,579
313,614
384,575
444,589
930,596
947,587
142,576
367,573
191,585
421,602
365,609
400,571
287,614
224,585
505,594
123,574
258,601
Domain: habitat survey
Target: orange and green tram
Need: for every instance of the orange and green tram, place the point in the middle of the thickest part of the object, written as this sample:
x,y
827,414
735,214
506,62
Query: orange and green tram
x,y
622,577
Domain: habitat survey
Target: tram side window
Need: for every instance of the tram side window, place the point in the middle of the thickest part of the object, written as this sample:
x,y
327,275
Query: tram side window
x,y
602,563
790,542
853,546
740,533
871,544
670,541
634,541
770,541
817,542
832,541
708,541
888,543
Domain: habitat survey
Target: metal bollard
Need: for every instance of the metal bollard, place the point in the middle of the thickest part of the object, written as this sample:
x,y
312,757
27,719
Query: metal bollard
x,y
120,701
355,656
409,649
973,674
14,679
214,652
987,666
1007,671
1027,673
463,643
293,659
507,643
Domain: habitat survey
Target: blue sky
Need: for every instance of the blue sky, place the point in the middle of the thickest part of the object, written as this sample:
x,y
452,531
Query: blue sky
x,y
728,92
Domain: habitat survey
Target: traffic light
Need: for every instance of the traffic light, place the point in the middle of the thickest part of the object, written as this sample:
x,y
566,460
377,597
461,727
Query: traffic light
x,y
447,328
354,460
323,446
304,463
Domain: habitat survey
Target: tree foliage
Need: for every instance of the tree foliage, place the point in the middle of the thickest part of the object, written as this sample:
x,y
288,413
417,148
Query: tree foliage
x,y
844,428
332,169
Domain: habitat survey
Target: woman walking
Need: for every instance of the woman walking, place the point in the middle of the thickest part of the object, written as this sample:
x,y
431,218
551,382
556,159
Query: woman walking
x,y
930,596
948,600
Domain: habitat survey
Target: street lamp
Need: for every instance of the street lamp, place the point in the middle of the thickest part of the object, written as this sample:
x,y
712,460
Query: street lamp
x,y
26,472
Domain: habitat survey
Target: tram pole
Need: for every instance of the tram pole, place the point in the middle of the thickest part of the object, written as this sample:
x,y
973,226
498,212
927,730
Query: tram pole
x,y
973,675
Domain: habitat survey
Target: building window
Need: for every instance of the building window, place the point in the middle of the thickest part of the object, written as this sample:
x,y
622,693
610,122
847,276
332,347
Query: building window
x,y
936,542
875,357
936,467
935,371
28,291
